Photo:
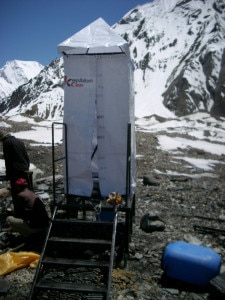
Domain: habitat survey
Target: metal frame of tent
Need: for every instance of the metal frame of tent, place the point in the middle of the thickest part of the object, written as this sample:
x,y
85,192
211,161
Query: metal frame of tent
x,y
87,203
62,245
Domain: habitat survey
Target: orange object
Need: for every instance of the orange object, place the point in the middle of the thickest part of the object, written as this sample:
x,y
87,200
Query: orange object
x,y
114,198
11,261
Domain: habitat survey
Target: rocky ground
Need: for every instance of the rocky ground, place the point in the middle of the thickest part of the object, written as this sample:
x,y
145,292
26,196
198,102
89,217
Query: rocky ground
x,y
182,202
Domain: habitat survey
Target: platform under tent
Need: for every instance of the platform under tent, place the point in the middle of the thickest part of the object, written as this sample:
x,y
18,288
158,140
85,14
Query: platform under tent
x,y
99,148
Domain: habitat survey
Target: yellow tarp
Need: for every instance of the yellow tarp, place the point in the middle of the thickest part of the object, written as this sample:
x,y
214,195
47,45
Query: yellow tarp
x,y
11,261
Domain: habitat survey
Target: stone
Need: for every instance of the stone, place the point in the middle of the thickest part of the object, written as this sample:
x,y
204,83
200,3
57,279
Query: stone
x,y
4,286
150,180
150,223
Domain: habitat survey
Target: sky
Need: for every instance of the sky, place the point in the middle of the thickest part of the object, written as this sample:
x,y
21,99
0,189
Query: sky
x,y
31,30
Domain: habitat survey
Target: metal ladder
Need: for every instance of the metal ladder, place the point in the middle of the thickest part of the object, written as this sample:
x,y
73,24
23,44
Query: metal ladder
x,y
78,255
76,261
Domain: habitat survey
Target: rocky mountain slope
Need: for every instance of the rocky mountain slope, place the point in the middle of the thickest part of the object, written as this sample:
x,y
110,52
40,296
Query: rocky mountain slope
x,y
178,52
181,45
41,97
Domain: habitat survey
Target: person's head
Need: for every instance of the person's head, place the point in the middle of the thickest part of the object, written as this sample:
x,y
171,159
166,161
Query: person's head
x,y
21,184
3,134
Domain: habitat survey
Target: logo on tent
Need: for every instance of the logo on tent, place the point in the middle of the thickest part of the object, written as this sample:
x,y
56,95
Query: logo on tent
x,y
76,82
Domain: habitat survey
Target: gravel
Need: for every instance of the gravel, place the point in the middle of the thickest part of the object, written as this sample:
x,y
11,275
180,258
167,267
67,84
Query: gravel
x,y
183,201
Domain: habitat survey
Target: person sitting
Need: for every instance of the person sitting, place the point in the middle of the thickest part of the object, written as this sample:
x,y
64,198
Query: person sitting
x,y
30,215
17,161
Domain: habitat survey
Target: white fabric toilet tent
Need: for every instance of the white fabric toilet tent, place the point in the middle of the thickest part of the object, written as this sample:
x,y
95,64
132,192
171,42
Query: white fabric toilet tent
x,y
98,105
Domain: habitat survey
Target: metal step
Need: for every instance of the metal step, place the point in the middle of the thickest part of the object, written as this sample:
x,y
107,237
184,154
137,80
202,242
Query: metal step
x,y
74,262
81,229
43,284
79,241
81,222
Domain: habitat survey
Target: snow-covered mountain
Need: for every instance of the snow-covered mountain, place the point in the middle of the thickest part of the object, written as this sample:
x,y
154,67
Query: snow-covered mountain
x,y
41,97
16,73
179,53
178,49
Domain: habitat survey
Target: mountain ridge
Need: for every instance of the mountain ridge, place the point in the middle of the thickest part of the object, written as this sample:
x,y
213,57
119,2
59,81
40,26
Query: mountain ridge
x,y
182,47
15,73
179,59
